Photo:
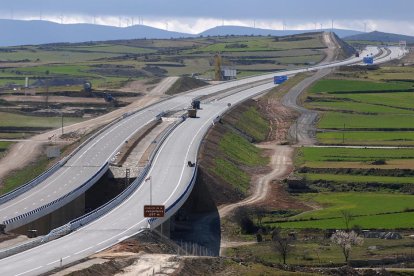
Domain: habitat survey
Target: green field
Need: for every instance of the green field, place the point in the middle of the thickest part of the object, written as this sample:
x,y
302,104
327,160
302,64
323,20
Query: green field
x,y
364,112
368,209
347,178
402,138
121,61
18,120
338,120
334,86
262,44
315,156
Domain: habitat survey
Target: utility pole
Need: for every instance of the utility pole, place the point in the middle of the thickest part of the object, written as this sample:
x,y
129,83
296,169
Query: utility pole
x,y
365,27
62,122
343,135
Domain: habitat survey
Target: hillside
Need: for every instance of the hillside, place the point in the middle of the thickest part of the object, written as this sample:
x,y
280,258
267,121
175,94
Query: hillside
x,y
19,32
380,37
238,30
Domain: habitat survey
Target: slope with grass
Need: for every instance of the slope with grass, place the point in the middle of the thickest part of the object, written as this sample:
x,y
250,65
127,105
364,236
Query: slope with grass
x,y
228,158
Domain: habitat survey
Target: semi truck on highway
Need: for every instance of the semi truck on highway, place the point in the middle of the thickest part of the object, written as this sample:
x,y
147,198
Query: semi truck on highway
x,y
192,113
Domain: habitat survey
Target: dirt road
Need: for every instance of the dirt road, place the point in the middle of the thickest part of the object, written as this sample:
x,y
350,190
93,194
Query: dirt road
x,y
303,132
23,153
281,164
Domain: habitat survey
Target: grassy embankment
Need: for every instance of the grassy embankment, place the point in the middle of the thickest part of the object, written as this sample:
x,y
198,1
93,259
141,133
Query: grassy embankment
x,y
3,147
24,175
235,154
185,84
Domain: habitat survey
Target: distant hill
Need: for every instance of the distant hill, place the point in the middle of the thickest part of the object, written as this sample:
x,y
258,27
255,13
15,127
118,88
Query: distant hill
x,y
381,37
19,32
237,30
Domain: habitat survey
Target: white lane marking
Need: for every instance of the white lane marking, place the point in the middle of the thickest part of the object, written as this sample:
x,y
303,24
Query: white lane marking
x,y
52,262
123,238
28,271
86,249
106,247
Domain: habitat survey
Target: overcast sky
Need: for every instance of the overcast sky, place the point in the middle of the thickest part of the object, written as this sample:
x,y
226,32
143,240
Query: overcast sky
x,y
194,16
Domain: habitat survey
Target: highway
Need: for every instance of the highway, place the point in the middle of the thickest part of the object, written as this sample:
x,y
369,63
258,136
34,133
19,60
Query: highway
x,y
91,159
170,178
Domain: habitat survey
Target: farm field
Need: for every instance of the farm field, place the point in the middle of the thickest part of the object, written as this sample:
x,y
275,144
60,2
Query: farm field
x,y
313,157
18,120
319,252
122,68
370,211
375,185
403,138
363,112
346,178
110,65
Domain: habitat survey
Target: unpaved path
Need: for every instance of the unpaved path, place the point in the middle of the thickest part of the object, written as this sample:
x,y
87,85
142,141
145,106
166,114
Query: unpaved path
x,y
303,132
152,264
23,153
281,164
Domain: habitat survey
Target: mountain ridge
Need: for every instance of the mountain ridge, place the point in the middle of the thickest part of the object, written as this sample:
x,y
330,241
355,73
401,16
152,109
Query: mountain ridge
x,y
21,32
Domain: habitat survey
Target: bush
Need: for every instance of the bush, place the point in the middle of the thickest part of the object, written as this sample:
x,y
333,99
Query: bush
x,y
243,219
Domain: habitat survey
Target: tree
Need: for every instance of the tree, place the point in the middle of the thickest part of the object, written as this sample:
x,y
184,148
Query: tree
x,y
260,212
345,240
243,219
348,217
282,245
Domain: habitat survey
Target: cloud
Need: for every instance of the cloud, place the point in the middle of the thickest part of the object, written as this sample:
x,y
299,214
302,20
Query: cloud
x,y
227,9
195,16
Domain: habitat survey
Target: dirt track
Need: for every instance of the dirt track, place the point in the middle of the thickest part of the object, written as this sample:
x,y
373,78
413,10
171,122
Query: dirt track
x,y
281,164
23,153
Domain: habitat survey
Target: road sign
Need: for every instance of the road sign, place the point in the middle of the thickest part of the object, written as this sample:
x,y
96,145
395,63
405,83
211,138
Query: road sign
x,y
154,211
280,79
368,60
